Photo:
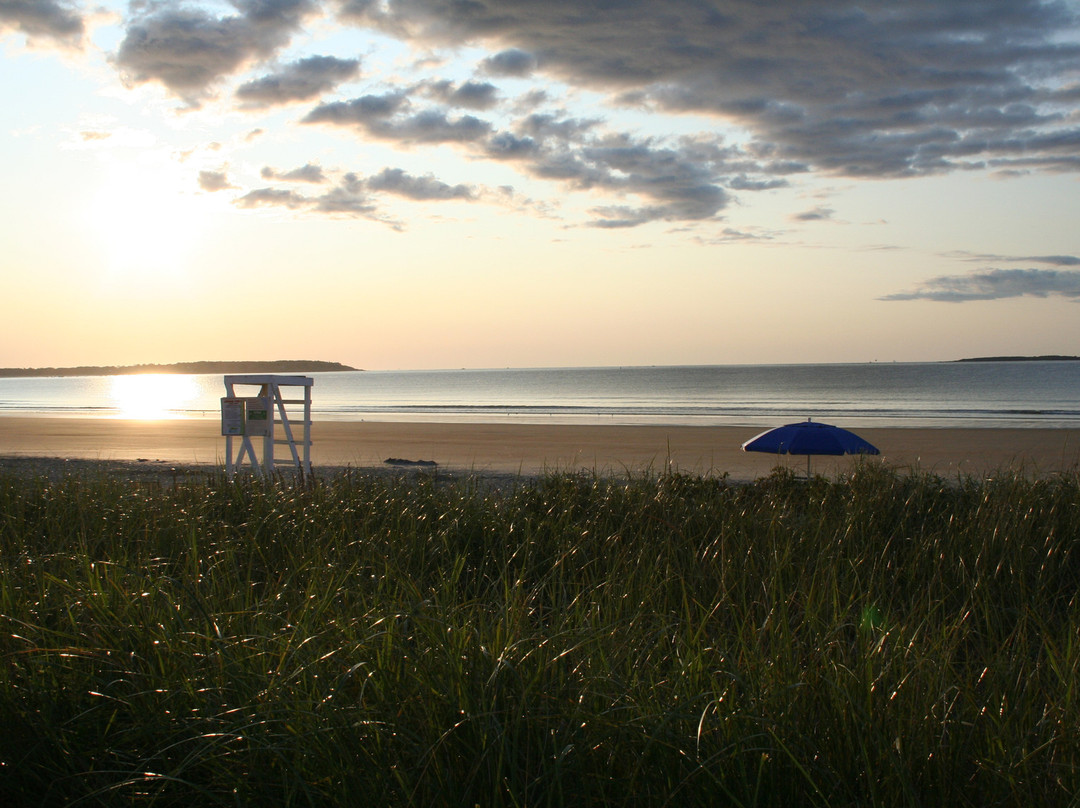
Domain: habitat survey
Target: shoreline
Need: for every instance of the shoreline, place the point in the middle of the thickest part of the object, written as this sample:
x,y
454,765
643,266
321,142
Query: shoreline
x,y
528,449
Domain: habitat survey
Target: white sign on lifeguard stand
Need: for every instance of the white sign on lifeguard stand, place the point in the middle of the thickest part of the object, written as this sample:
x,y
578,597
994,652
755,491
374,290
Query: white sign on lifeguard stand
x,y
244,418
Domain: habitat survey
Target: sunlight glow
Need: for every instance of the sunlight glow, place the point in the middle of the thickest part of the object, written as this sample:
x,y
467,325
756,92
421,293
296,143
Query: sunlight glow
x,y
146,222
153,396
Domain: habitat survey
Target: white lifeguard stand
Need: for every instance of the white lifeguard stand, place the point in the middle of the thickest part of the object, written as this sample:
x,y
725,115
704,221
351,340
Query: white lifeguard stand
x,y
245,418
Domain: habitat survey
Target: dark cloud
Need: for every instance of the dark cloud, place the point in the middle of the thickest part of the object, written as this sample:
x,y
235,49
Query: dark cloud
x,y
354,195
347,201
996,284
744,183
614,217
214,181
272,198
396,181
300,81
364,111
878,89
547,125
53,20
815,215
306,173
377,116
508,146
188,50
434,126
511,62
881,89
681,181
1051,260
470,94
348,198
729,234
680,186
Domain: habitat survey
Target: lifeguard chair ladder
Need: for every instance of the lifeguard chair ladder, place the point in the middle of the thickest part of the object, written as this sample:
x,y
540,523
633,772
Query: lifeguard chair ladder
x,y
260,416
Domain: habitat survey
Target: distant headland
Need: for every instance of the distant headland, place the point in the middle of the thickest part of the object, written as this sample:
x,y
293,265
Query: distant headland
x,y
272,366
1051,358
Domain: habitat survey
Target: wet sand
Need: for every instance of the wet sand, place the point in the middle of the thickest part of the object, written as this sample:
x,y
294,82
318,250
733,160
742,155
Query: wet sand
x,y
528,449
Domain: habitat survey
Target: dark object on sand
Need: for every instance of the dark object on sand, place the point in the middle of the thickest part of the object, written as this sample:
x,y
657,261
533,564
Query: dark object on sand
x,y
397,461
809,438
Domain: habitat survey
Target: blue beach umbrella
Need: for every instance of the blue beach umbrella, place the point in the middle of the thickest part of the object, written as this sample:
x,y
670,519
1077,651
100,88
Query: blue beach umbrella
x,y
809,438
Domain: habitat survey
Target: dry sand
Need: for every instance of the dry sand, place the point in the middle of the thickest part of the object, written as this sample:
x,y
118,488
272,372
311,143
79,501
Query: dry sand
x,y
528,449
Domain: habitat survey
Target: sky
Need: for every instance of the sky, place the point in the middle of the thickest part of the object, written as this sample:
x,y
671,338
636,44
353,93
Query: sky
x,y
399,184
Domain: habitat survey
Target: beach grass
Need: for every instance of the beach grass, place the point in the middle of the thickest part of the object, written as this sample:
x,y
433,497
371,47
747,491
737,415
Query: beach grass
x,y
881,639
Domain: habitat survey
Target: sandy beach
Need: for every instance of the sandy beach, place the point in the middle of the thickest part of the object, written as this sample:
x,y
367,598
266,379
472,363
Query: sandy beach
x,y
529,449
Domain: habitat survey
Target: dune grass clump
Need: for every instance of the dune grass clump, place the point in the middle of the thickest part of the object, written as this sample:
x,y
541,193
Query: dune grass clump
x,y
884,639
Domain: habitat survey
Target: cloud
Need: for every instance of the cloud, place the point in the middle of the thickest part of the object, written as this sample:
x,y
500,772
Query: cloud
x,y
272,198
550,126
832,87
744,183
189,51
847,88
306,173
396,181
348,198
816,215
434,126
365,111
377,116
53,20
614,217
681,181
1055,260
731,234
470,94
300,81
996,284
354,195
1052,260
508,146
214,181
511,62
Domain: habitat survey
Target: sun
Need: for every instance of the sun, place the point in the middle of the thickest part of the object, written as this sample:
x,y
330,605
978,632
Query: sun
x,y
146,222
152,396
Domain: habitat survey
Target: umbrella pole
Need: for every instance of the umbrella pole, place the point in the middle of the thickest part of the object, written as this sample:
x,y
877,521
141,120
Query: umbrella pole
x,y
808,467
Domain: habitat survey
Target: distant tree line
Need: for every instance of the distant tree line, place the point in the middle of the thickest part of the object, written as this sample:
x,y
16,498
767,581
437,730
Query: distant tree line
x,y
272,366
1049,358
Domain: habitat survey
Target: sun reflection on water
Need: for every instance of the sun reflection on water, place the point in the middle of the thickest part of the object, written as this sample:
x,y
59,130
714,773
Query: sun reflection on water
x,y
153,396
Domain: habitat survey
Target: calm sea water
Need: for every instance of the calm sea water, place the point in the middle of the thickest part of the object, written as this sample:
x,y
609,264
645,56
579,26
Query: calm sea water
x,y
984,394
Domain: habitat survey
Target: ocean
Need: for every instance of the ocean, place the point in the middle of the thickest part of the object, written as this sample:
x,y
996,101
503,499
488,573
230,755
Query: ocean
x,y
946,394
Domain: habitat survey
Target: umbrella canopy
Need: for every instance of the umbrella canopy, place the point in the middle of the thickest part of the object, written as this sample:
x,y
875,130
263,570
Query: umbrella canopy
x,y
809,438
